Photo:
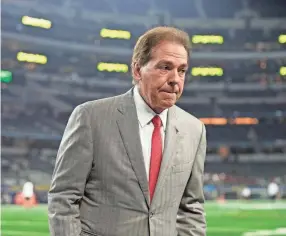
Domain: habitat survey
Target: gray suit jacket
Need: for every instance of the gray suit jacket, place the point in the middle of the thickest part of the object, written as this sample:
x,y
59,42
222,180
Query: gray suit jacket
x,y
99,186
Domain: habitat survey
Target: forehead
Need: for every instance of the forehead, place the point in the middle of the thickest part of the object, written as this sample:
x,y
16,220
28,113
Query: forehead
x,y
170,51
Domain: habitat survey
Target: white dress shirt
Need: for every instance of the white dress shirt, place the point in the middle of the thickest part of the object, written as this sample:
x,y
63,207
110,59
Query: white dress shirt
x,y
145,115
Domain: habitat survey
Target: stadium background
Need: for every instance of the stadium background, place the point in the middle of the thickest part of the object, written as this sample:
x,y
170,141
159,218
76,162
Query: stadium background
x,y
57,54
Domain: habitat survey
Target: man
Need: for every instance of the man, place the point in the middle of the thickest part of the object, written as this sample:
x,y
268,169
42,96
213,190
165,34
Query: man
x,y
132,165
273,190
27,197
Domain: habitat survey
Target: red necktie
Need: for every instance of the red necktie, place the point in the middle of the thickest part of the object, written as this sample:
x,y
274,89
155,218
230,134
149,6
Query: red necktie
x,y
156,155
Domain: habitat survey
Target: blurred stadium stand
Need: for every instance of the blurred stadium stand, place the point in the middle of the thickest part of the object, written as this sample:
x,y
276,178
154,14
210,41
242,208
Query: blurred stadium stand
x,y
236,83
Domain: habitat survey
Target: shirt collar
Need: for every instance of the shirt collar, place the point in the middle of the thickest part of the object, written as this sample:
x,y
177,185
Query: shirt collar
x,y
145,113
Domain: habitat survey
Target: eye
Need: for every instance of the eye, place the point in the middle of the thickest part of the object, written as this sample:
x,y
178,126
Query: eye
x,y
182,71
165,67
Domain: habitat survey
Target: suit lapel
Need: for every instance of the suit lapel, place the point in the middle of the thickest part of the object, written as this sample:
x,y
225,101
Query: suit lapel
x,y
170,147
127,122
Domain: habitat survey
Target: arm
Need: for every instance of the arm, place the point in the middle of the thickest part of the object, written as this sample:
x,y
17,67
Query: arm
x,y
73,164
191,217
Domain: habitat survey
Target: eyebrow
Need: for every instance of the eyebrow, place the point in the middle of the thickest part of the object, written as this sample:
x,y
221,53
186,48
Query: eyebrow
x,y
171,63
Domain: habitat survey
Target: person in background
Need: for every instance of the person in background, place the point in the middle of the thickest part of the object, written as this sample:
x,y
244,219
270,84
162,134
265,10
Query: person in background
x,y
273,190
246,193
133,165
27,197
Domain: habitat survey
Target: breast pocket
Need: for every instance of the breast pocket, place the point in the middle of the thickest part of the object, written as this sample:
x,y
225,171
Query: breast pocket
x,y
180,174
182,167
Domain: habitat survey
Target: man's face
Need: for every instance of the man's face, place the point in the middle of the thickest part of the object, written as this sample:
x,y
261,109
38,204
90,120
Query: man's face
x,y
161,80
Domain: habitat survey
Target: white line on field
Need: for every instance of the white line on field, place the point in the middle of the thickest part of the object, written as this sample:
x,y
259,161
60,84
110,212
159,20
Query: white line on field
x,y
258,206
279,231
23,222
17,233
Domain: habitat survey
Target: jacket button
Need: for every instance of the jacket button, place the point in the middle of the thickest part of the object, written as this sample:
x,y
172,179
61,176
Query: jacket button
x,y
151,214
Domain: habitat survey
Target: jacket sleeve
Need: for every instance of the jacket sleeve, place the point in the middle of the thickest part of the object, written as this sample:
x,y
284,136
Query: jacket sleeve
x,y
191,216
73,164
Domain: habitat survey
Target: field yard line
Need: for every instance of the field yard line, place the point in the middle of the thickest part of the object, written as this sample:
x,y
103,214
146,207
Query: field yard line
x,y
225,229
255,206
278,231
23,233
23,222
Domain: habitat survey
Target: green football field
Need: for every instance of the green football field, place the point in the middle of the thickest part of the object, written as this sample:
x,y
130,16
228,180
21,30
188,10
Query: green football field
x,y
228,219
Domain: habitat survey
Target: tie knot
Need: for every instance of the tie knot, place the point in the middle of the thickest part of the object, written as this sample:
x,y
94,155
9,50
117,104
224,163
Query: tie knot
x,y
157,121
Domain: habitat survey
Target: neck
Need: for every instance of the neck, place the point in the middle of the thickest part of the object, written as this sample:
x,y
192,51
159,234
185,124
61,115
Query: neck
x,y
157,110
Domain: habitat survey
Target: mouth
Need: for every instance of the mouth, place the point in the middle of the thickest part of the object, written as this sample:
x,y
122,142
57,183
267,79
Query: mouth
x,y
169,92
169,95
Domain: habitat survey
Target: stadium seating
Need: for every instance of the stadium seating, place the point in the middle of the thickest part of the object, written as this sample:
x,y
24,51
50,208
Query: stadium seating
x,y
247,82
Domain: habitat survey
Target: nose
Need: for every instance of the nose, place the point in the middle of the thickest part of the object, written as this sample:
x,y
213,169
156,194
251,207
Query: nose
x,y
174,78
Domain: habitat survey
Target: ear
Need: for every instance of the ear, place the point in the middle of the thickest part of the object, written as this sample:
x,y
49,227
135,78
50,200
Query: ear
x,y
136,71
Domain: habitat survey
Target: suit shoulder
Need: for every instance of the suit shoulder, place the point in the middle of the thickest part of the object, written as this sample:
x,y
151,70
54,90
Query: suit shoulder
x,y
188,120
100,104
187,117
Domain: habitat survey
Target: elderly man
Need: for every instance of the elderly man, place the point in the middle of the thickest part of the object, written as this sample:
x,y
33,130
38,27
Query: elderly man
x,y
132,165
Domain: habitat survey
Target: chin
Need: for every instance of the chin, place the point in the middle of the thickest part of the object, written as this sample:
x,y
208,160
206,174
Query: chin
x,y
168,104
